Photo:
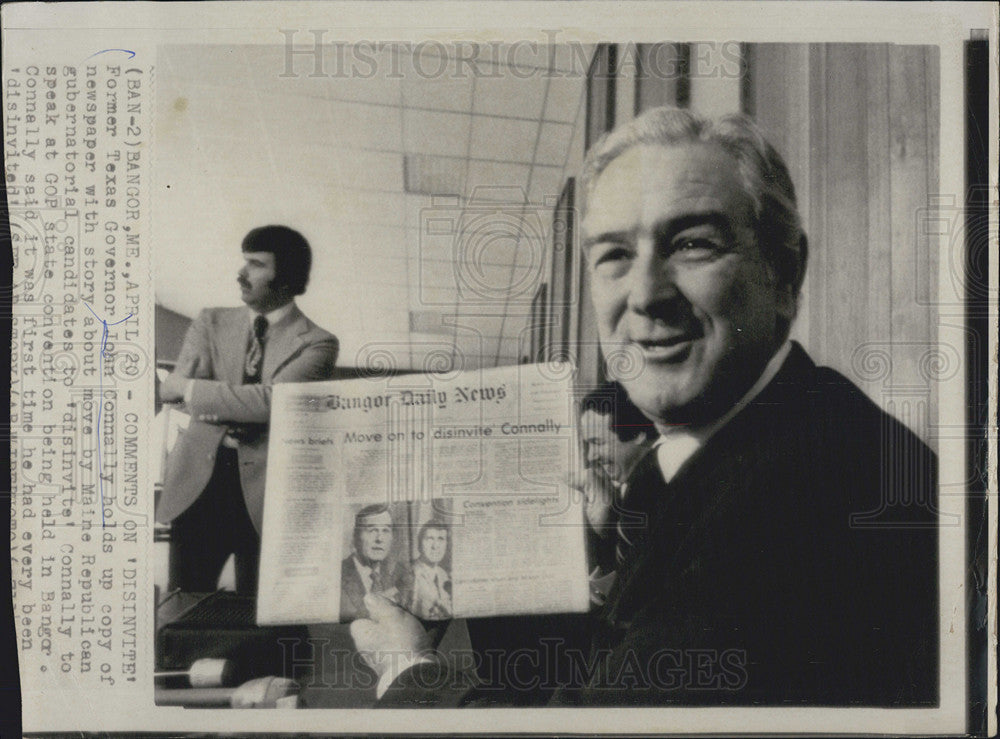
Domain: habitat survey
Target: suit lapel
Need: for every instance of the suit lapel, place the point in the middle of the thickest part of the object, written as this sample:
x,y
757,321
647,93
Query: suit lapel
x,y
705,489
283,341
235,333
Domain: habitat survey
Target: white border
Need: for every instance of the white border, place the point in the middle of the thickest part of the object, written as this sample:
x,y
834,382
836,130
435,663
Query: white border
x,y
69,30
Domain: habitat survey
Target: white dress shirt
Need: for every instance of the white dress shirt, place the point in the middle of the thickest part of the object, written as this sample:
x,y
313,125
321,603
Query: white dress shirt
x,y
679,443
365,572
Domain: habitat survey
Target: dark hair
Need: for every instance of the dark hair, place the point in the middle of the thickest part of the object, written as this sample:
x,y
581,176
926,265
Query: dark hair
x,y
433,523
611,399
376,509
292,255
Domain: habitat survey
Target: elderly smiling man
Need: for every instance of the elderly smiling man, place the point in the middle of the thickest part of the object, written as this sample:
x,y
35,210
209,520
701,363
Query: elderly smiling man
x,y
755,579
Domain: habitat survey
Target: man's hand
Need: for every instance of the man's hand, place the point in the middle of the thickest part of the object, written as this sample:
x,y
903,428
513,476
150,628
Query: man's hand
x,y
391,638
172,389
598,493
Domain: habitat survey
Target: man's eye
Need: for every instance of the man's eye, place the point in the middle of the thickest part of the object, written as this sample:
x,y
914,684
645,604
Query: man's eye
x,y
695,248
609,254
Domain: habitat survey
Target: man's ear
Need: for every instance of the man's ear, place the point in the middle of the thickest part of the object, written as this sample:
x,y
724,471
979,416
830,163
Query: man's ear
x,y
790,281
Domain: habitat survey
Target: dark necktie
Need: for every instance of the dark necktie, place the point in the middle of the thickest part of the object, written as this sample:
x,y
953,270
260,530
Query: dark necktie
x,y
633,514
376,580
255,353
634,517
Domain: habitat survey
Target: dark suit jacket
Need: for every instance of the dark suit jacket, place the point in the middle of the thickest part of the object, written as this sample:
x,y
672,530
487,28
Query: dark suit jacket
x,y
213,354
396,578
791,560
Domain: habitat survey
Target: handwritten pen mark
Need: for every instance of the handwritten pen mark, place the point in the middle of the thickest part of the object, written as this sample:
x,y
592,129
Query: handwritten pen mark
x,y
100,397
130,53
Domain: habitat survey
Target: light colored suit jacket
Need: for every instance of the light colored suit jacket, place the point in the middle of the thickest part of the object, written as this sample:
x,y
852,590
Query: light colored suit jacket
x,y
213,355
431,591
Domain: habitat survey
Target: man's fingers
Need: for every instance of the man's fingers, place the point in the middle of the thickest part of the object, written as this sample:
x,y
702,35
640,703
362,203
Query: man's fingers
x,y
380,608
362,631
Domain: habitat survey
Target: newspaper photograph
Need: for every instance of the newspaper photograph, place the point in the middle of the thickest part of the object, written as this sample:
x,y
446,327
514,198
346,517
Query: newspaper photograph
x,y
538,368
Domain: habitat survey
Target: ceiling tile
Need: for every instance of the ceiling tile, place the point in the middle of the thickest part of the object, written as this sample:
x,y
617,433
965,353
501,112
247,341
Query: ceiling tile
x,y
573,58
378,271
438,84
217,112
524,58
272,72
481,282
376,170
430,246
564,97
553,143
427,296
432,274
503,138
427,175
508,95
546,184
421,207
348,205
373,238
496,181
359,72
356,125
296,120
483,324
427,132
379,89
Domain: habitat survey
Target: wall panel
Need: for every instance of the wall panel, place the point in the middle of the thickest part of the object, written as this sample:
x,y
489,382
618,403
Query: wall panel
x,y
858,126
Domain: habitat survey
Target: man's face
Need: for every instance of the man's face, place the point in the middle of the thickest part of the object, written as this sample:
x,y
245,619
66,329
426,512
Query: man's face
x,y
256,279
434,544
604,450
375,537
678,281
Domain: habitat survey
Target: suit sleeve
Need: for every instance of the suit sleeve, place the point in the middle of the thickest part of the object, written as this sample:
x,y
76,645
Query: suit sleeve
x,y
430,685
220,402
195,360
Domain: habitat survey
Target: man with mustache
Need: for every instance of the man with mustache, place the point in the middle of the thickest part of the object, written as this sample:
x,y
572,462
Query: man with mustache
x,y
789,554
213,491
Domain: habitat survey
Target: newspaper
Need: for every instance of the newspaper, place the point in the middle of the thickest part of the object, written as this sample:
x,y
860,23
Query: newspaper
x,y
484,456
142,141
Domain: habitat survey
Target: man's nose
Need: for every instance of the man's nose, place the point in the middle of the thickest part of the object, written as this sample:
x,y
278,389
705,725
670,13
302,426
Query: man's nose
x,y
652,281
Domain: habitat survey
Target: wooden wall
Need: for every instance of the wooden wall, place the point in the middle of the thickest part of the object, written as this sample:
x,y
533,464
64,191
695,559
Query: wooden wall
x,y
858,125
